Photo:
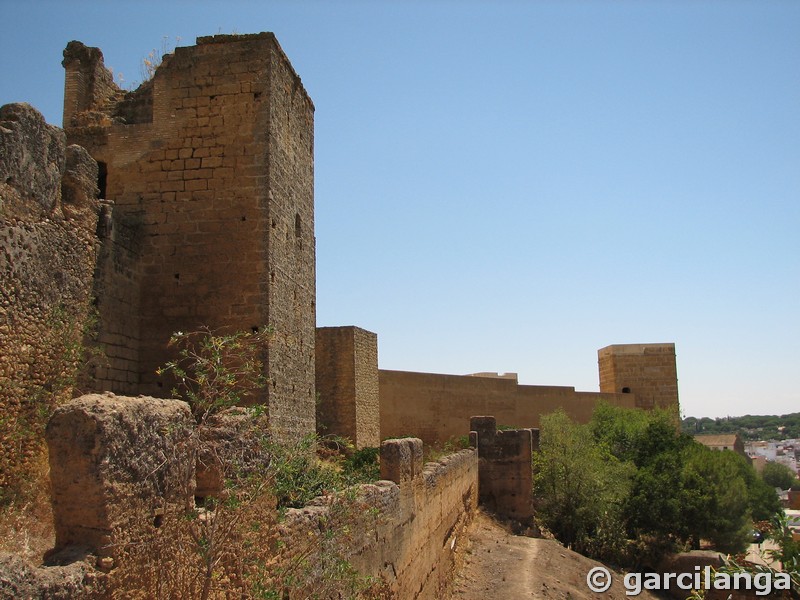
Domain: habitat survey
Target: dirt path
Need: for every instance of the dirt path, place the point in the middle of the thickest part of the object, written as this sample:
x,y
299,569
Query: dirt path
x,y
495,564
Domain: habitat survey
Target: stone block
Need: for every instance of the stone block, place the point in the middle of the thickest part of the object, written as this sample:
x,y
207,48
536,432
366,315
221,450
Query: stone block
x,y
401,459
115,464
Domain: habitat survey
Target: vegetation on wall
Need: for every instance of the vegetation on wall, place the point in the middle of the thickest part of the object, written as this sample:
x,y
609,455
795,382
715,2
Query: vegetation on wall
x,y
627,488
231,543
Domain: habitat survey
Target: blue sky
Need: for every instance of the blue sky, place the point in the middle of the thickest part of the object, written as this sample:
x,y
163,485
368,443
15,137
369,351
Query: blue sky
x,y
510,186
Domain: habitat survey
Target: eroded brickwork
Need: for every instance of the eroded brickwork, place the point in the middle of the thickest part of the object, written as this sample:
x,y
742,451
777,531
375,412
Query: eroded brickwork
x,y
648,371
209,167
347,384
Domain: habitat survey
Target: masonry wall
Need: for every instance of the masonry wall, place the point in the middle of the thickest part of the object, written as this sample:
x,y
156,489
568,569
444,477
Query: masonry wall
x,y
210,169
646,370
347,384
48,246
410,526
438,407
505,475
404,529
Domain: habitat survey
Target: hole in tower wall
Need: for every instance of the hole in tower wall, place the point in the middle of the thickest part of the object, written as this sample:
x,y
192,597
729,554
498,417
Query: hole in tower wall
x,y
626,390
102,178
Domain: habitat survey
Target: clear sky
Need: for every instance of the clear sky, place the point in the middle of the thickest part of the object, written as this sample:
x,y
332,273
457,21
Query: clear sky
x,y
510,186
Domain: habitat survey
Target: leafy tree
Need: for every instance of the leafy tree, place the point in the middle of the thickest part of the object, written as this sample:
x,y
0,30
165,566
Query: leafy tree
x,y
580,487
778,475
632,474
714,482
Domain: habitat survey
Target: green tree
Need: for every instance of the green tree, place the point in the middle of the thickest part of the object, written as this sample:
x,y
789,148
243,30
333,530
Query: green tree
x,y
580,487
778,475
718,496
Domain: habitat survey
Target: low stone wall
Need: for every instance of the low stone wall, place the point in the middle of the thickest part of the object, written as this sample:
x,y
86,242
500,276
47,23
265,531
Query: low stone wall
x,y
409,524
118,463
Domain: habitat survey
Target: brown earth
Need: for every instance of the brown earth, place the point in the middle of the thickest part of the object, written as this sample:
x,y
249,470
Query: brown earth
x,y
494,563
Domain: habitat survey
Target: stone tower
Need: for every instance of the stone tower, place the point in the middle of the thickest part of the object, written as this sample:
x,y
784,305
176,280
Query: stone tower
x,y
647,371
207,173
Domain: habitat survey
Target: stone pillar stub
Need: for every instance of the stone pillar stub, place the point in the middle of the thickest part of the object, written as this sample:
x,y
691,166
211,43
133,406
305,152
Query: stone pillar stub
x,y
401,459
116,463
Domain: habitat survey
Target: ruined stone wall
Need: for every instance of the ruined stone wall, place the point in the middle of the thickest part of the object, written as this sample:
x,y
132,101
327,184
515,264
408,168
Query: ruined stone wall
x,y
115,463
504,467
646,370
404,530
438,407
210,172
410,524
48,218
347,384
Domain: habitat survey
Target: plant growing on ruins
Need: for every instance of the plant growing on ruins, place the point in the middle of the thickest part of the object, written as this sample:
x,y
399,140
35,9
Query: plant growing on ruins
x,y
216,371
154,58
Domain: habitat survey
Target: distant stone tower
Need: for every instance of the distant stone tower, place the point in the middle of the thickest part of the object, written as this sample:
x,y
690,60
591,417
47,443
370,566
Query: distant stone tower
x,y
647,371
208,173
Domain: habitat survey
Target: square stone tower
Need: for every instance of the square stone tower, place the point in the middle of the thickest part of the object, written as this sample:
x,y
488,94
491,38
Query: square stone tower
x,y
208,173
646,370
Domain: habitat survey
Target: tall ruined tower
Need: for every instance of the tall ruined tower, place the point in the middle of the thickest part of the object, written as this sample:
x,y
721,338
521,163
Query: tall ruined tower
x,y
648,371
207,170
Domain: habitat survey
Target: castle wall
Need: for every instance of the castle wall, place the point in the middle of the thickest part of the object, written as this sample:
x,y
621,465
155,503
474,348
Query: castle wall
x,y
438,407
347,384
505,475
410,524
210,172
646,370
48,218
404,529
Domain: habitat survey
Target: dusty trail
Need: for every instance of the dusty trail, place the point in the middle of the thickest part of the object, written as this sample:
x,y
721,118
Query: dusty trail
x,y
496,564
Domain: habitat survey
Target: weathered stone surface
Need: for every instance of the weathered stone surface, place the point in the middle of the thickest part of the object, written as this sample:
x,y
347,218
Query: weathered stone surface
x,y
47,261
115,463
347,384
79,186
504,468
210,168
230,445
406,534
401,459
32,161
18,579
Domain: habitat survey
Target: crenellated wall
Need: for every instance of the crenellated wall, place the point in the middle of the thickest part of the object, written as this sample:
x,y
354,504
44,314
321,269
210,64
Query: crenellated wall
x,y
409,524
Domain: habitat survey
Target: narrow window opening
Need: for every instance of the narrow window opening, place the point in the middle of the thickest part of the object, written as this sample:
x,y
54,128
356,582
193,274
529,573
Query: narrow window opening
x,y
626,390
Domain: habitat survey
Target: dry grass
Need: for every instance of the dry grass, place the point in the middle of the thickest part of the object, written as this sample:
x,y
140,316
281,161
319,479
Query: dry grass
x,y
26,525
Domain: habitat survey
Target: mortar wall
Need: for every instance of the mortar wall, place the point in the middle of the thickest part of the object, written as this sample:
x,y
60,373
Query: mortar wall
x,y
646,370
48,217
347,384
219,186
438,407
405,533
